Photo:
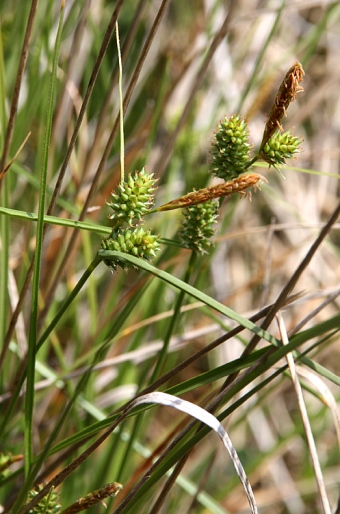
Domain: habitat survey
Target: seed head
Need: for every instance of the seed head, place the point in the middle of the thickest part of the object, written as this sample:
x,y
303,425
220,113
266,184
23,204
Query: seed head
x,y
133,197
136,242
230,148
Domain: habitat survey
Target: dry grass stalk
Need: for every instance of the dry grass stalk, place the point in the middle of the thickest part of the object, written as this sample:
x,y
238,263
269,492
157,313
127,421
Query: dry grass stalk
x,y
286,94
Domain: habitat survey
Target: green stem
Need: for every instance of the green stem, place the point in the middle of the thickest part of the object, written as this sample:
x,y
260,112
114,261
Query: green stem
x,y
83,279
32,338
160,362
4,266
251,162
42,457
6,417
173,321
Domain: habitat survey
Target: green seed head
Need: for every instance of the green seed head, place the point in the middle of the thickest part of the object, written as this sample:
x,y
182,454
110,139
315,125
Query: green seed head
x,y
279,147
133,198
47,505
230,148
197,228
138,242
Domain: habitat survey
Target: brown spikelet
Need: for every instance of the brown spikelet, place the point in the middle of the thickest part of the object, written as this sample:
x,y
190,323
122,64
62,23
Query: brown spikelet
x,y
237,185
93,498
286,94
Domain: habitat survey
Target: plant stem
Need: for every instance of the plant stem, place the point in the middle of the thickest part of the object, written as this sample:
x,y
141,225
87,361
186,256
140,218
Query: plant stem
x,y
29,400
173,321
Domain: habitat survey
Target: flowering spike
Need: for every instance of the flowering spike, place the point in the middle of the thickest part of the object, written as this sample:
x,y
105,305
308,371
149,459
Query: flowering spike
x,y
237,185
197,228
286,94
133,198
280,147
47,505
137,242
94,498
230,148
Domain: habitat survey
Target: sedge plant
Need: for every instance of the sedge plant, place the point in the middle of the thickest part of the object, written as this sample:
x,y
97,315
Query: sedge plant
x,y
87,329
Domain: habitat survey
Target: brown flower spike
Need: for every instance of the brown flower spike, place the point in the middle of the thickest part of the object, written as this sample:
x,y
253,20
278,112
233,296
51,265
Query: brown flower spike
x,y
93,498
286,94
237,185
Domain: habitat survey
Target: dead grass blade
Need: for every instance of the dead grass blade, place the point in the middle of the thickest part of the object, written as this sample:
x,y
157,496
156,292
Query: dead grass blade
x,y
305,420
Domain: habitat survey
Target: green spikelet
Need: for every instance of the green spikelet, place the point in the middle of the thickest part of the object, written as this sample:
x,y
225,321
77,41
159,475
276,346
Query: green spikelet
x,y
230,148
280,146
136,242
197,228
47,505
133,197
